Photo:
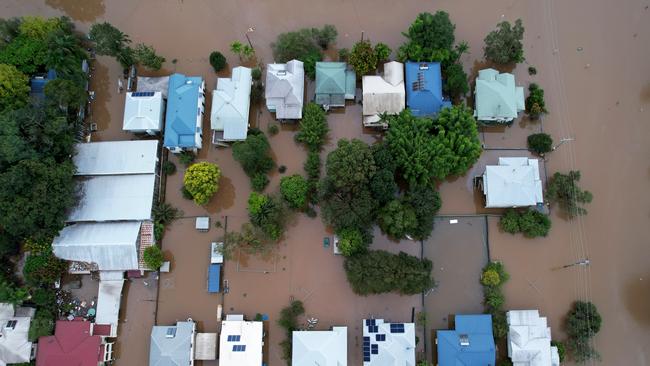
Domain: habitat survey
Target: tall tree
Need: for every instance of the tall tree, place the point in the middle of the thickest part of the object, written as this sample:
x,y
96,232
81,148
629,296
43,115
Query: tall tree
x,y
430,38
14,87
108,40
504,45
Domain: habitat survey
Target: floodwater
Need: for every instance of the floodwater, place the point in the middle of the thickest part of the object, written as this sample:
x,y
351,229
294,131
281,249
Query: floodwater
x,y
591,57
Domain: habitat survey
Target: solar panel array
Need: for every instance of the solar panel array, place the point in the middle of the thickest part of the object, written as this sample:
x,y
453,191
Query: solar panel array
x,y
234,338
380,337
366,349
143,94
397,328
239,348
419,83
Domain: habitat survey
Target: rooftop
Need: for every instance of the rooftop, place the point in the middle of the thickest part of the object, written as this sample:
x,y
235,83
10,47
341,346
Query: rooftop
x,y
240,342
285,88
334,83
424,88
384,94
72,344
231,104
515,182
143,111
172,345
471,343
116,157
183,109
529,339
498,99
15,347
388,344
322,348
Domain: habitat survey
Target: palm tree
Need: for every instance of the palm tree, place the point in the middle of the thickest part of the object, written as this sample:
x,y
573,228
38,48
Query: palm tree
x,y
237,48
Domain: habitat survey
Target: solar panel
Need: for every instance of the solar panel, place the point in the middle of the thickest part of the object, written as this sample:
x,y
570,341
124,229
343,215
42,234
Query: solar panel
x,y
380,337
143,94
375,347
397,328
375,351
366,339
366,358
234,338
373,329
239,348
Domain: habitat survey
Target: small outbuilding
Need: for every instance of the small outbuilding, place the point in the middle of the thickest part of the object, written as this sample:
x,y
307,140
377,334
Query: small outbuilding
x,y
383,94
285,88
230,107
335,84
498,99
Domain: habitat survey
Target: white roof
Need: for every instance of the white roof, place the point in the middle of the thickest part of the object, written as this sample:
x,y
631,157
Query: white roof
x,y
515,182
111,245
323,348
216,252
250,336
116,157
115,198
285,85
384,94
398,348
143,111
108,303
529,339
231,104
14,345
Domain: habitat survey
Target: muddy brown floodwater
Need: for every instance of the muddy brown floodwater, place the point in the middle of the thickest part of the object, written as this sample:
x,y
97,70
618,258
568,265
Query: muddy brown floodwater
x,y
591,57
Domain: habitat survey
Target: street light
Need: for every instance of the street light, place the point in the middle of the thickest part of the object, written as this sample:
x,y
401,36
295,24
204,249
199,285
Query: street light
x,y
562,141
249,30
583,262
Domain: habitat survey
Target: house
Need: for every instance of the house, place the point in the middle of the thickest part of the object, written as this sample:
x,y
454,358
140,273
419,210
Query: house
x,y
529,339
334,84
285,88
498,99
118,180
471,343
424,88
388,344
231,102
383,94
173,345
240,342
324,348
143,112
74,343
184,117
515,182
15,346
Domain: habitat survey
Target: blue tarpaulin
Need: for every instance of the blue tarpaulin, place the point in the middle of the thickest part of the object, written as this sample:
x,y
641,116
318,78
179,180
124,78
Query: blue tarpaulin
x,y
214,278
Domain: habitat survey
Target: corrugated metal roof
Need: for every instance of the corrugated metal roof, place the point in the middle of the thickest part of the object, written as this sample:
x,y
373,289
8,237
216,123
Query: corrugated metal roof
x,y
384,94
320,347
172,351
116,157
182,111
497,96
424,88
250,333
512,183
231,104
143,112
481,349
285,86
108,303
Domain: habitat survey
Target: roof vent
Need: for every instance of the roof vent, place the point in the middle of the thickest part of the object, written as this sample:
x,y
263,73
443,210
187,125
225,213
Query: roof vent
x,y
424,66
282,73
464,340
188,82
171,333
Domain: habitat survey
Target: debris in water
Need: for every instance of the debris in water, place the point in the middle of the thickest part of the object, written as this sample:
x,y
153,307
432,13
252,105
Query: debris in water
x,y
580,48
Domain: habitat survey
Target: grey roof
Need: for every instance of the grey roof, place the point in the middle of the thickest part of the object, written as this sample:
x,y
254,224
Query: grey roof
x,y
111,245
172,351
324,348
285,84
116,157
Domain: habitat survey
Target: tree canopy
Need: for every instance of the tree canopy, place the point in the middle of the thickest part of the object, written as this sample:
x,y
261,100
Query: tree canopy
x,y
564,189
14,87
430,38
253,155
397,219
504,45
294,190
313,127
267,213
202,181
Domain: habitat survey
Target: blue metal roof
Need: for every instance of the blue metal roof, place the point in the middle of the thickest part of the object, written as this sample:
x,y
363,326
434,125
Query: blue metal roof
x,y
214,278
182,109
424,88
479,352
37,83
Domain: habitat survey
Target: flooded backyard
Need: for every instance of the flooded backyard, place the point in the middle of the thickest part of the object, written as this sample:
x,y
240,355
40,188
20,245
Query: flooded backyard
x,y
591,58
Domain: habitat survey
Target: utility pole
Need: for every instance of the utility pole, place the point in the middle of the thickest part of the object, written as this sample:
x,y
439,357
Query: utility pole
x,y
562,141
249,30
583,262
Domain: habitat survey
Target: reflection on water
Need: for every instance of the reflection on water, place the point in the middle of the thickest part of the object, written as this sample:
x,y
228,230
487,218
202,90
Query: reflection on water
x,y
83,11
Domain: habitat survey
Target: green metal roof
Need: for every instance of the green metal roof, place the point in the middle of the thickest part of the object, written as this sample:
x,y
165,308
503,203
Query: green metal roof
x,y
330,78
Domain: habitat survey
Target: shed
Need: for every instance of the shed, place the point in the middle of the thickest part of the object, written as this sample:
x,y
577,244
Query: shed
x,y
216,252
214,278
383,94
202,223
424,88
231,106
108,302
498,99
334,84
285,88
37,83
143,112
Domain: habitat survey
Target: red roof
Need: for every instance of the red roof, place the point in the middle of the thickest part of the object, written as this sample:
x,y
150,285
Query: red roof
x,y
71,345
102,329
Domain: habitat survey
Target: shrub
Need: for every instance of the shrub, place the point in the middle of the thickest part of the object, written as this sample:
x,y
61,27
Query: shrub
x,y
532,70
363,58
146,56
186,194
490,278
40,326
583,322
243,51
259,182
499,324
324,36
282,169
267,213
344,55
493,298
535,105
218,61
540,143
498,268
186,158
9,293
379,271
509,222
43,269
504,45
289,321
256,73
456,82
273,129
564,189
382,52
294,190
165,213
561,349
202,181
153,257
534,223
168,168
158,231
353,241
313,127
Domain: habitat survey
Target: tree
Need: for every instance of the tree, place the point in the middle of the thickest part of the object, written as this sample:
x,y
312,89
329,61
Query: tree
x,y
357,210
267,213
540,143
202,181
363,58
561,349
218,61
27,54
504,45
14,87
65,94
425,202
253,154
350,166
39,28
312,165
379,271
165,213
397,219
324,36
457,131
382,185
535,105
353,241
430,38
43,269
583,323
244,52
250,239
11,294
40,326
65,55
153,257
564,189
456,83
8,30
299,45
313,127
146,56
534,223
294,190
491,278
509,222
382,51
108,40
